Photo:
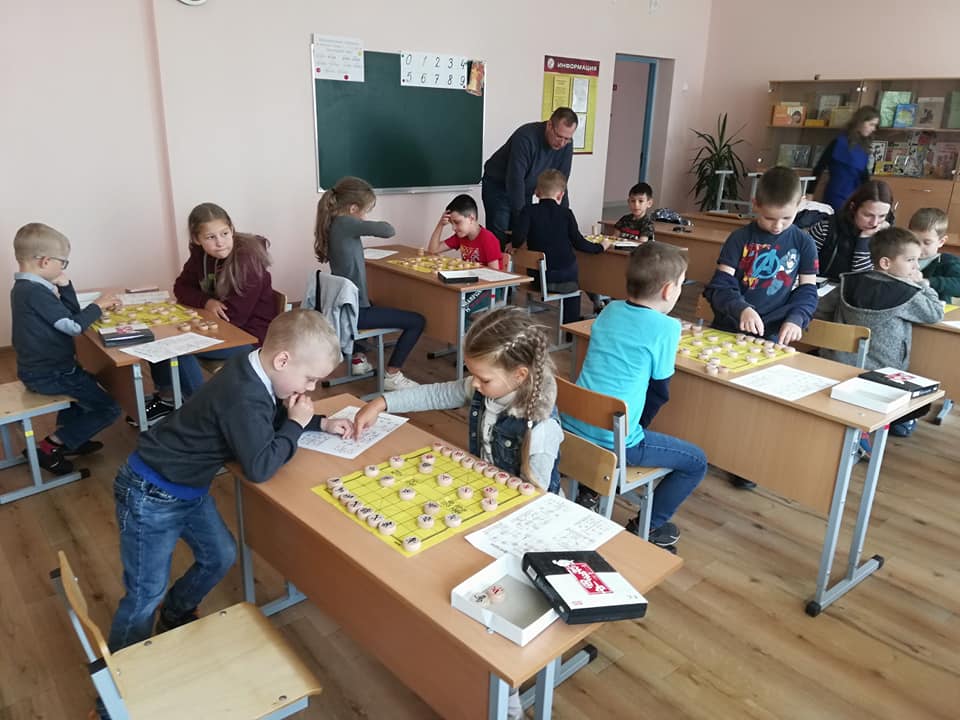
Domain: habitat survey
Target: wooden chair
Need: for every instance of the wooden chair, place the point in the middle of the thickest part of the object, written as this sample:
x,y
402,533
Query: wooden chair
x,y
231,664
17,404
215,366
606,412
528,260
704,310
839,337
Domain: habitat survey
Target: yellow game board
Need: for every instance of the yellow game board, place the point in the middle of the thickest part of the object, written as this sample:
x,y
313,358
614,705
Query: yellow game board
x,y
387,502
947,307
159,313
720,344
433,263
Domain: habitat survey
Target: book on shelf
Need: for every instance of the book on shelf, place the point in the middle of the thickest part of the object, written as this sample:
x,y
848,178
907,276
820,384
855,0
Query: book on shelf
x,y
953,116
878,151
817,152
889,99
131,334
841,115
905,116
793,156
787,114
929,112
916,385
870,395
944,161
827,102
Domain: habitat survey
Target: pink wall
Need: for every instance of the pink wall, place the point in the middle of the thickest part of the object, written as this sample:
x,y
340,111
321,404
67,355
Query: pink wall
x,y
126,123
754,41
627,113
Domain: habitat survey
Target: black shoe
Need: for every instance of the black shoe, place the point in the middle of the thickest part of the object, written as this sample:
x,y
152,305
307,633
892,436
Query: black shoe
x,y
157,409
741,483
88,448
588,498
166,622
54,461
665,536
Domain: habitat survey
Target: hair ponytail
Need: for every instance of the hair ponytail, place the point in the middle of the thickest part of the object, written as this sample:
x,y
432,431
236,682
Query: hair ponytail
x,y
347,192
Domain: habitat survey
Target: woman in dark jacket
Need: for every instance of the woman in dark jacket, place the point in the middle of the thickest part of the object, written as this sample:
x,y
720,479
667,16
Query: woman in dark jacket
x,y
847,157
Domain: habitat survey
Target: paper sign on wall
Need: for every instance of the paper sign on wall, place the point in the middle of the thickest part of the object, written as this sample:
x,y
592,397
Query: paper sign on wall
x,y
337,58
572,83
433,70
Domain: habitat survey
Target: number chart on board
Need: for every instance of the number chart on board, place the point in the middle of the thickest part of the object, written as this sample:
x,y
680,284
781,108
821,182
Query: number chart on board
x,y
433,70
417,500
726,352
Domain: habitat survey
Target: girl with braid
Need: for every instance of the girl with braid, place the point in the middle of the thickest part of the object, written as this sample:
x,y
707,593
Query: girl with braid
x,y
511,393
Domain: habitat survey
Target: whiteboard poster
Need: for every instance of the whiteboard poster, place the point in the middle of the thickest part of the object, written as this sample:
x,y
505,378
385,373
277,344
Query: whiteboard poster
x,y
434,70
337,58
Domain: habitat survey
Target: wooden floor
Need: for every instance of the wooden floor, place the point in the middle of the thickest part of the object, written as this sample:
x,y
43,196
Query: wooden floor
x,y
726,637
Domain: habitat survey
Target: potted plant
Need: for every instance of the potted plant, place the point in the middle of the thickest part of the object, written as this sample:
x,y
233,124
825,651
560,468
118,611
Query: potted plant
x,y
717,153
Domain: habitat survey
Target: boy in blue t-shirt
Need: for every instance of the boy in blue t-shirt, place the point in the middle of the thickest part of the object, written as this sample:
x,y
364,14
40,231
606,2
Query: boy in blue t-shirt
x,y
633,344
765,282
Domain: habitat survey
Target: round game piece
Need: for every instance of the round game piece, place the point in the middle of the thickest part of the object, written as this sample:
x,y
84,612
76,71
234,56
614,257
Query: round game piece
x,y
371,471
685,325
741,343
527,488
467,462
789,349
363,512
724,370
502,477
396,461
753,359
354,505
374,519
428,458
444,480
741,337
726,345
733,353
780,346
192,313
488,504
446,451
465,492
425,468
334,482
714,361
387,527
697,330
685,351
202,326
697,343
437,447
338,491
407,493
481,599
212,326
770,352
496,593
754,351
490,471
346,498
769,345
411,543
425,521
451,520
457,455
758,341
431,507
704,356
712,338
183,327
480,466
491,491
514,482
387,481
712,370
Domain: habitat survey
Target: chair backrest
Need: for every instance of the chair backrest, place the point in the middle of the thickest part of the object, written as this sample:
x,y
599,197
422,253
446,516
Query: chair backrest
x,y
588,406
704,310
279,301
588,464
840,337
528,260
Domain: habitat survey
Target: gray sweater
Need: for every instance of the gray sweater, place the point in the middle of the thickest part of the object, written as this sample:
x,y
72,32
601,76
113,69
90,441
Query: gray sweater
x,y
887,305
345,249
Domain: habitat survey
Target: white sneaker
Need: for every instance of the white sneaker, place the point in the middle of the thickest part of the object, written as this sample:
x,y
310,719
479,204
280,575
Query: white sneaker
x,y
398,381
359,365
514,708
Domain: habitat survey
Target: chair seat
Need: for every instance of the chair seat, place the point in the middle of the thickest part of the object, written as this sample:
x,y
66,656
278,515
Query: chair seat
x,y
15,399
637,476
213,366
231,664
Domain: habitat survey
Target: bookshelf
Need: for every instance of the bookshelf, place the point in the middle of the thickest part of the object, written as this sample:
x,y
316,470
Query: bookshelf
x,y
919,161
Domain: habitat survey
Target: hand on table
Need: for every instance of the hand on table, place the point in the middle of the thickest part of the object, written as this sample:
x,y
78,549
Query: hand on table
x,y
107,301
789,332
217,308
367,416
750,322
337,426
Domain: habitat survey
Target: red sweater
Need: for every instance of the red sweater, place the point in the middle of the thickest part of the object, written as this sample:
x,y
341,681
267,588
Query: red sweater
x,y
252,311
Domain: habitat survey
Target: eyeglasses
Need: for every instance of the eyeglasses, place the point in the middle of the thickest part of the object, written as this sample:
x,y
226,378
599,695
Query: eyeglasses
x,y
565,138
63,261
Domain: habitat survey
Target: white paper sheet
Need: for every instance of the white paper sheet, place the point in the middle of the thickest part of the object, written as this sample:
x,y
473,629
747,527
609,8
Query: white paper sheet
x,y
85,298
490,275
785,382
581,95
377,253
433,70
173,346
144,297
337,58
826,289
546,524
951,323
335,445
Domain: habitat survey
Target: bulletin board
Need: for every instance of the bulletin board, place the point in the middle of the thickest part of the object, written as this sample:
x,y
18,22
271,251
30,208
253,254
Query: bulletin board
x,y
572,83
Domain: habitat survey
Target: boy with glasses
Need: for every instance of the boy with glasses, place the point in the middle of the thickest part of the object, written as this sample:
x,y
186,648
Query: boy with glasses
x,y
46,318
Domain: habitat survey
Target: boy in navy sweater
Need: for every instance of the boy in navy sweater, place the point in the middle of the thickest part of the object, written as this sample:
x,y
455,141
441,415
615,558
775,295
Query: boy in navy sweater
x,y
549,228
46,319
252,412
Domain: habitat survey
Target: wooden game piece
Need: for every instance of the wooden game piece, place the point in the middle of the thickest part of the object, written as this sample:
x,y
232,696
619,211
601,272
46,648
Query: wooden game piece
x,y
371,471
374,519
428,458
769,345
514,482
387,527
712,370
387,481
407,493
346,498
496,593
780,346
438,446
364,511
425,468
480,466
789,349
481,599
452,520
212,326
753,359
685,324
491,491
425,521
685,351
724,370
712,338
741,343
726,345
502,477
489,471
697,343
444,480
488,504
527,488
446,451
741,337
465,492
338,491
411,543
184,327
770,352
697,330
467,462
334,482
354,505
457,455
431,507
192,313
396,461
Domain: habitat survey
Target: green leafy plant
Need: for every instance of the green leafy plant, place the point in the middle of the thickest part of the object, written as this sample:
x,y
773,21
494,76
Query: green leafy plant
x,y
717,153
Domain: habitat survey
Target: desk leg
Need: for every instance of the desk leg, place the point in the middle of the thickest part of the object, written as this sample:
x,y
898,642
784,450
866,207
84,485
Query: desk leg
x,y
546,680
175,381
246,559
564,671
944,411
866,504
461,326
499,697
138,394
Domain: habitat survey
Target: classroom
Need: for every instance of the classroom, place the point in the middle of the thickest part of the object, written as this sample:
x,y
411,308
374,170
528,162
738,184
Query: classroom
x,y
816,575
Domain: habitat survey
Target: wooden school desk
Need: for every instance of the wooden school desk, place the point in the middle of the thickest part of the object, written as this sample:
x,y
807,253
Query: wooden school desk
x,y
702,246
803,450
397,608
115,368
935,353
442,304
604,273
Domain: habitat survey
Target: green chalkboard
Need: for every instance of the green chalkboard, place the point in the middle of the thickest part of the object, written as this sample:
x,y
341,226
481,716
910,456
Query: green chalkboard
x,y
397,137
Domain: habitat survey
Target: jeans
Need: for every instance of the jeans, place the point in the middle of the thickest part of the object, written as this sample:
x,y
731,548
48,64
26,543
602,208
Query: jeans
x,y
496,209
151,522
689,466
191,374
93,411
411,325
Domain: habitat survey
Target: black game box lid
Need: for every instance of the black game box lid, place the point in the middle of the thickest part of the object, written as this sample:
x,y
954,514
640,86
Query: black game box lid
x,y
458,276
131,334
582,587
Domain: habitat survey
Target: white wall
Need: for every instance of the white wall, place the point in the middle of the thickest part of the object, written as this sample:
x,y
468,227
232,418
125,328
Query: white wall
x,y
628,111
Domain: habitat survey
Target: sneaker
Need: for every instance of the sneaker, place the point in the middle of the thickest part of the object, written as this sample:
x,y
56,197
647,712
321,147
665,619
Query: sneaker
x,y
903,429
359,365
157,409
741,483
88,448
398,381
166,622
588,498
665,536
514,708
53,460
865,447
